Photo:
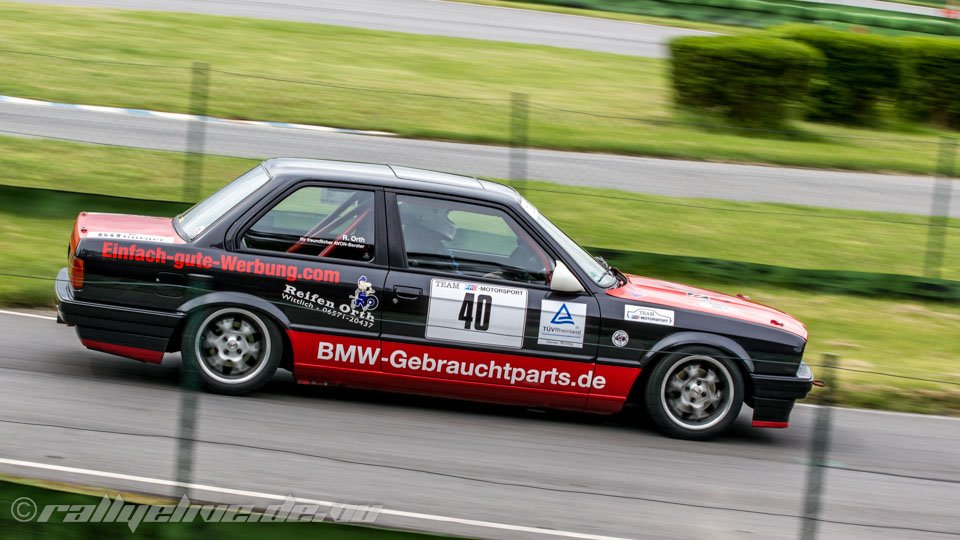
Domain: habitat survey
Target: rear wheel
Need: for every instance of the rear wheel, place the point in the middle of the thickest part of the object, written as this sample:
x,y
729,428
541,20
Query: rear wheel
x,y
234,350
694,393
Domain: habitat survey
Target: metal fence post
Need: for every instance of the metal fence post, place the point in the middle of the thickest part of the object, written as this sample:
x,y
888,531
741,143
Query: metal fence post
x,y
940,208
819,452
196,132
519,117
192,179
189,387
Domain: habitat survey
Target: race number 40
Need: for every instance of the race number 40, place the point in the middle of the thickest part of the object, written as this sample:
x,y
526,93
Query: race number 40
x,y
476,313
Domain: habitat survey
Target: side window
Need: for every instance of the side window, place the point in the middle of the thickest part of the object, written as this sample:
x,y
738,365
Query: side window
x,y
318,221
469,240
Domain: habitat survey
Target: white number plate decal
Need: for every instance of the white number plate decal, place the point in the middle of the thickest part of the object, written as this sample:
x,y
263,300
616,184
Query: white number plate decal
x,y
476,313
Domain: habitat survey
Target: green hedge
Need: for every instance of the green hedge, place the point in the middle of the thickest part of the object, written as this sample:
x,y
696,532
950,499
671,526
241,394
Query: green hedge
x,y
765,13
931,89
861,70
751,80
760,79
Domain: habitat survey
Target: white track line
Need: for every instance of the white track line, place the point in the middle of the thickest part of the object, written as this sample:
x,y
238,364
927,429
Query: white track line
x,y
885,413
31,315
272,496
188,117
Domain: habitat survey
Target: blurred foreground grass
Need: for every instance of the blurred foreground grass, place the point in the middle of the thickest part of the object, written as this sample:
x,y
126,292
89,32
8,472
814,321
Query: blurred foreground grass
x,y
367,79
910,338
63,526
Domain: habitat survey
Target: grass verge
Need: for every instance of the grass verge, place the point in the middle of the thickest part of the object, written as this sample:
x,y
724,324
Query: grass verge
x,y
736,273
774,234
389,81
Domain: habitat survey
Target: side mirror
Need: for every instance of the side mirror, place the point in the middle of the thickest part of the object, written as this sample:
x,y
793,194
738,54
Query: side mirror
x,y
563,280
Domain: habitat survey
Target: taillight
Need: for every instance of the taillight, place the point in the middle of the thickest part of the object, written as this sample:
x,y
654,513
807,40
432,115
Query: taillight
x,y
76,272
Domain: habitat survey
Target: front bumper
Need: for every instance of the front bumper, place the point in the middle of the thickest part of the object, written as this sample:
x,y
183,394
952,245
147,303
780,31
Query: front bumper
x,y
774,396
126,331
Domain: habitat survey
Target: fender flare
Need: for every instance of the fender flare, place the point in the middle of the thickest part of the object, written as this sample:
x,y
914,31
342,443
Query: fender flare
x,y
700,338
234,298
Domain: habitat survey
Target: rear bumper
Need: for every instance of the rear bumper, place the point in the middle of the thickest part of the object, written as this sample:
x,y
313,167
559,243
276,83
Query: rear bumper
x,y
125,331
774,396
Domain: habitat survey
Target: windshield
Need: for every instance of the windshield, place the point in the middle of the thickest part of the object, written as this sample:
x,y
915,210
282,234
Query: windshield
x,y
597,272
195,220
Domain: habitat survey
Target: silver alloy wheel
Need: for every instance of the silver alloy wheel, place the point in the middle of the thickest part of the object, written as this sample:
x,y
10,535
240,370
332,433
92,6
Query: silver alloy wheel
x,y
697,392
232,345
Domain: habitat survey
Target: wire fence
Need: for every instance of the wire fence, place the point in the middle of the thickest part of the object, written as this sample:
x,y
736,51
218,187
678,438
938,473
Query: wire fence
x,y
835,220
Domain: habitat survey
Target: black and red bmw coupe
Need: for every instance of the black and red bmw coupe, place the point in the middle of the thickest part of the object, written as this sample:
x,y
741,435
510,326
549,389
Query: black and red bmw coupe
x,y
409,280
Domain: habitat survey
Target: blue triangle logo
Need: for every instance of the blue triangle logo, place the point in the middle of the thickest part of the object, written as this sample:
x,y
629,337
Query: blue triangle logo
x,y
562,316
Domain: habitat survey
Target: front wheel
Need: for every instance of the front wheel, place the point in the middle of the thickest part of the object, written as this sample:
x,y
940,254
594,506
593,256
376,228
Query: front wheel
x,y
234,350
694,393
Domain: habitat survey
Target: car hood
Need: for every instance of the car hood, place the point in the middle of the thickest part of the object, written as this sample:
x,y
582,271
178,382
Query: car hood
x,y
654,291
124,227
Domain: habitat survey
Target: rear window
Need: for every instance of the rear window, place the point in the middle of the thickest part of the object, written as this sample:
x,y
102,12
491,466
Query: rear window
x,y
203,214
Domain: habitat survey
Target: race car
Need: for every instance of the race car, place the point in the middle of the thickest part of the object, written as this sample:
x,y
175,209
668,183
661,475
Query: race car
x,y
407,280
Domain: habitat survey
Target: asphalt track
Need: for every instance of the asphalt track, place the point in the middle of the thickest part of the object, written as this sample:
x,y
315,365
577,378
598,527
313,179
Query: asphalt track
x,y
895,476
886,6
677,178
444,18
455,19
434,17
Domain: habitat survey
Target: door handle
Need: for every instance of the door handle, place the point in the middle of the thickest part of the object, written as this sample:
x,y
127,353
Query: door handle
x,y
407,293
170,284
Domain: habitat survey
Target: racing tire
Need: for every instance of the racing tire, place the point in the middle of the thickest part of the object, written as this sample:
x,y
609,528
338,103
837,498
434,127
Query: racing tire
x,y
233,350
694,393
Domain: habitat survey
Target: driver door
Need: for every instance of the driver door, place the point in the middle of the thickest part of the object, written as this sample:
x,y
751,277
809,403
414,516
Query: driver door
x,y
469,313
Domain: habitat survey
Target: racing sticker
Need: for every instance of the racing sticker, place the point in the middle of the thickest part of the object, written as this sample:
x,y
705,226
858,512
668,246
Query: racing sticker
x,y
649,315
364,298
711,303
132,236
562,324
209,259
357,311
476,313
344,241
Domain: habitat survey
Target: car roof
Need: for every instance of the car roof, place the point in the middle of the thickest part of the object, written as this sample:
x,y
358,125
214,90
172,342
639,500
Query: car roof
x,y
292,169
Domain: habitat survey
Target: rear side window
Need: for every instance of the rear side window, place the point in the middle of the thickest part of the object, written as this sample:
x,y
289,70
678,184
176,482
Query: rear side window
x,y
195,220
318,221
